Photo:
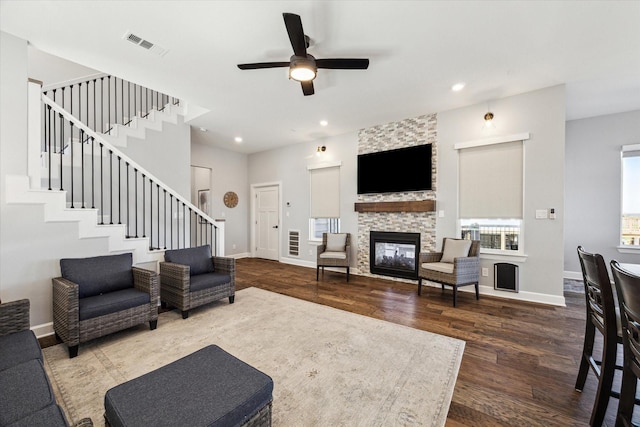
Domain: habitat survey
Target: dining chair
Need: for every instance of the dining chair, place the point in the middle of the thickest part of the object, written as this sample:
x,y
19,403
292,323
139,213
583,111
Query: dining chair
x,y
601,317
628,289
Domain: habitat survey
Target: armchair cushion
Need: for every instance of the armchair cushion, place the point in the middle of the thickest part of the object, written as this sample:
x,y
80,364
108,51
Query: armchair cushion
x,y
30,391
442,267
17,348
111,302
336,242
198,259
98,275
208,280
334,255
454,248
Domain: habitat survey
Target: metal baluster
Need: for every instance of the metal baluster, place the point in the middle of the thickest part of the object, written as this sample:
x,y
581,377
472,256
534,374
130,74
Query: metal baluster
x,y
110,187
93,174
150,214
164,205
49,137
144,228
71,145
86,92
122,101
95,127
101,186
171,219
158,217
129,101
44,132
101,104
61,139
128,218
82,165
119,191
109,104
184,225
135,199
115,102
178,224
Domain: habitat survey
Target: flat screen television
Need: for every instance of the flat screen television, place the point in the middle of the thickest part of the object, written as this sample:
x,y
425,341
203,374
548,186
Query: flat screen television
x,y
403,169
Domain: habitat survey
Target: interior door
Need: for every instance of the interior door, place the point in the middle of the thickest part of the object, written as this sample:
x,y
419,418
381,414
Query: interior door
x,y
267,222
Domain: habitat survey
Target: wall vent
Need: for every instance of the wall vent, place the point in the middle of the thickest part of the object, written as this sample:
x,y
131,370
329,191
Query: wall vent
x,y
146,44
294,242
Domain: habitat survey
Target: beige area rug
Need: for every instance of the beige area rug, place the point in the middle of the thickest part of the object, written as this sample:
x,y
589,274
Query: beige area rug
x,y
329,367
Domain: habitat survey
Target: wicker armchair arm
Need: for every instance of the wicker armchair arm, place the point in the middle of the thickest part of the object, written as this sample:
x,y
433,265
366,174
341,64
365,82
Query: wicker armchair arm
x,y
347,249
430,257
66,321
224,264
466,266
14,316
85,422
174,275
320,249
146,281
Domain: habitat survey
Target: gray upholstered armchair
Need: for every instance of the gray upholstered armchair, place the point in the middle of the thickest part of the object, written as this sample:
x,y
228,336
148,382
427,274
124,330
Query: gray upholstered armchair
x,y
101,295
334,252
191,277
457,265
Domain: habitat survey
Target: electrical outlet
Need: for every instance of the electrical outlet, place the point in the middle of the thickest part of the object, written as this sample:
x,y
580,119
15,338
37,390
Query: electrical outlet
x,y
310,252
485,272
233,246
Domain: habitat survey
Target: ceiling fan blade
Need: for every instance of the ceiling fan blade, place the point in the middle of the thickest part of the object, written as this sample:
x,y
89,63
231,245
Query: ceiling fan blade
x,y
307,88
296,33
259,65
343,63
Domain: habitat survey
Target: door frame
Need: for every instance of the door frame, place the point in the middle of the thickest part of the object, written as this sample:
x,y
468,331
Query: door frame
x,y
252,214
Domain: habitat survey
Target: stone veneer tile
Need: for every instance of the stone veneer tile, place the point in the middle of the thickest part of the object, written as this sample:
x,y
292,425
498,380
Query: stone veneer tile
x,y
405,133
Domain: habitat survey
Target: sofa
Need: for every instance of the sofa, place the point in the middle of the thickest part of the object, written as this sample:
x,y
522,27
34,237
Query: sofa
x,y
26,395
100,295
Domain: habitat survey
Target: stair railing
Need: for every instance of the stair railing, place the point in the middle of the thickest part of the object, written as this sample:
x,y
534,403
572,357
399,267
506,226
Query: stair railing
x,y
102,101
120,189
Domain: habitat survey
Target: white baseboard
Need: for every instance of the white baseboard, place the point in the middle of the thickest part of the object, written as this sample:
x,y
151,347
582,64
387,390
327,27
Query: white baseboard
x,y
573,275
298,262
240,255
43,330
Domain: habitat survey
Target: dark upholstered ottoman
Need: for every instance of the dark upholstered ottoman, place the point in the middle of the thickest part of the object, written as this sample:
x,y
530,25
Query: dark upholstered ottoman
x,y
207,388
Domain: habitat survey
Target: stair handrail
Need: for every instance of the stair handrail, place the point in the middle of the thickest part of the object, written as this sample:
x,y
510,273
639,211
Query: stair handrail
x,y
218,225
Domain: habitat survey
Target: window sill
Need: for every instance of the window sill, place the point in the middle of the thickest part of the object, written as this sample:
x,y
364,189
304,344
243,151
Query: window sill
x,y
503,256
628,249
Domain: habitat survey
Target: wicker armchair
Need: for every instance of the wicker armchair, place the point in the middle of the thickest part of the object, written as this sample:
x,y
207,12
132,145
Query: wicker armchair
x,y
14,317
334,251
101,295
457,265
191,277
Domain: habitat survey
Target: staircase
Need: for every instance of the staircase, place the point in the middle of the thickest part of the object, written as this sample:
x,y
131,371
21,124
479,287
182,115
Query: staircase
x,y
79,173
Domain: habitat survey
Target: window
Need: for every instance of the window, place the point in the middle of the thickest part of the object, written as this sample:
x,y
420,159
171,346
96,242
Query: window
x,y
630,221
324,196
490,179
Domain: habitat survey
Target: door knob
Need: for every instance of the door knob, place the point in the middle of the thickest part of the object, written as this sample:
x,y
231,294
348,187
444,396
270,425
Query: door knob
x,y
275,226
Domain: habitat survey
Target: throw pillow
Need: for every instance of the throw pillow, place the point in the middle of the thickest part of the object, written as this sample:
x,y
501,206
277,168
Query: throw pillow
x,y
454,248
336,242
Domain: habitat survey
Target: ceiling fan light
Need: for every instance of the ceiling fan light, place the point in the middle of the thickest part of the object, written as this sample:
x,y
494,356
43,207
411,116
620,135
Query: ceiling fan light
x,y
302,73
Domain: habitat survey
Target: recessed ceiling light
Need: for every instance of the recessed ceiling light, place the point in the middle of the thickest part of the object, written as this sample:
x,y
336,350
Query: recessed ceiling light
x,y
203,129
323,123
457,87
238,139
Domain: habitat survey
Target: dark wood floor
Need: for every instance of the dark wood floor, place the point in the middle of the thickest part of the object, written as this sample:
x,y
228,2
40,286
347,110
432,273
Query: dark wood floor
x,y
520,361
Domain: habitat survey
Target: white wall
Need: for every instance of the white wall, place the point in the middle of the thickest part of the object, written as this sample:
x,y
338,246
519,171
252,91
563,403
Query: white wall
x,y
228,173
288,165
542,114
592,183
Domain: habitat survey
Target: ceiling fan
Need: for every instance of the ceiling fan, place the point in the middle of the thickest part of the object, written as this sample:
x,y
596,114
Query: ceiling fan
x,y
302,66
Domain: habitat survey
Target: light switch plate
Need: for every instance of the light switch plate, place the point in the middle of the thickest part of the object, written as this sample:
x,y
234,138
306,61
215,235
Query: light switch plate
x,y
541,214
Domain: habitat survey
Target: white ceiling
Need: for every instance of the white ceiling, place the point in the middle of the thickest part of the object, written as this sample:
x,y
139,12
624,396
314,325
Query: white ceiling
x,y
417,51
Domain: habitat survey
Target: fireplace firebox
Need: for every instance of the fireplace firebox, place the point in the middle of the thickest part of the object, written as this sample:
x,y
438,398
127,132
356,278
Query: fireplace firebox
x,y
394,254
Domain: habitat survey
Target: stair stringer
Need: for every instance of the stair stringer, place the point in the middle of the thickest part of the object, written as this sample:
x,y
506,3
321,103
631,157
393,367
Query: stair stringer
x,y
55,210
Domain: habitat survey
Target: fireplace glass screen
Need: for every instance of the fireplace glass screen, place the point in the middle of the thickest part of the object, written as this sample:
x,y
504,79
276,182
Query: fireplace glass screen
x,y
394,254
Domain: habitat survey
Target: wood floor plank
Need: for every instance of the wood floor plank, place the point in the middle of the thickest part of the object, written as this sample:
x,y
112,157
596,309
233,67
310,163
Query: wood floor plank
x,y
520,359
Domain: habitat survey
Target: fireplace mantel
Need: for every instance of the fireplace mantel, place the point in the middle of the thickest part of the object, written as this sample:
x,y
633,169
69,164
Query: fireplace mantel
x,y
403,206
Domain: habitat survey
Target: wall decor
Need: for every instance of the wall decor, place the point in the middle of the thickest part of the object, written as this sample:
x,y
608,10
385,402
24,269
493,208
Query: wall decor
x,y
230,199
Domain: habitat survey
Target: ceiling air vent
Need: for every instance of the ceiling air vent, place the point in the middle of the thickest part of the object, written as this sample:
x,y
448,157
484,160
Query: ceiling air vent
x,y
137,40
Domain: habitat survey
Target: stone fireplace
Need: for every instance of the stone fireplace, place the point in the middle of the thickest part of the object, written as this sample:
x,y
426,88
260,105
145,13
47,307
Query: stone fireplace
x,y
405,133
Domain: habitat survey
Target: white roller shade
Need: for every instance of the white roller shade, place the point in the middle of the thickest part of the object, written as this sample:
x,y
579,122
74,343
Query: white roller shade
x,y
325,192
491,180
